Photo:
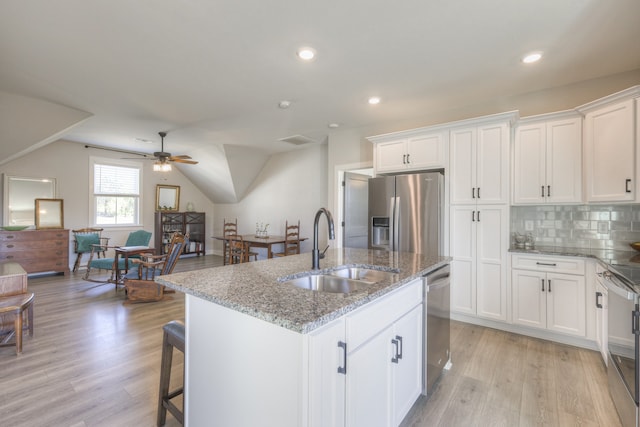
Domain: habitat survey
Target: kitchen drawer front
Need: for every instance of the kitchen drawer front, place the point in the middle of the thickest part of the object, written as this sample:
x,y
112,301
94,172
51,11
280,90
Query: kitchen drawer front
x,y
556,264
34,235
372,318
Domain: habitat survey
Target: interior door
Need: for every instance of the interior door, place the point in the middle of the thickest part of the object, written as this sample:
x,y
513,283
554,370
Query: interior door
x,y
356,196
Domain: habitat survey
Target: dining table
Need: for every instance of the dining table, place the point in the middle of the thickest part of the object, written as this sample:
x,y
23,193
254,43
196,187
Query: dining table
x,y
263,242
126,252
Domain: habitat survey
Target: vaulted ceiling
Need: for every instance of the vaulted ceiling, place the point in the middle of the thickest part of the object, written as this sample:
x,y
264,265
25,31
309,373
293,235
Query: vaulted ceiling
x,y
212,73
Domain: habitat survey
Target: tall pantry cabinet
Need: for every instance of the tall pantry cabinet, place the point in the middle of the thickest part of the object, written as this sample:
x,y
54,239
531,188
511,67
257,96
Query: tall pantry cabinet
x,y
479,215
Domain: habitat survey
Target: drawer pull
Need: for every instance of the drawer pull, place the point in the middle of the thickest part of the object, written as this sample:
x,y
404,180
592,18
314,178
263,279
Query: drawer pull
x,y
547,264
9,246
343,369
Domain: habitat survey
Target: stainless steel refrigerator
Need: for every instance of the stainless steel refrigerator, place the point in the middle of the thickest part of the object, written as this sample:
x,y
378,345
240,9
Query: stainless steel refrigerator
x,y
405,213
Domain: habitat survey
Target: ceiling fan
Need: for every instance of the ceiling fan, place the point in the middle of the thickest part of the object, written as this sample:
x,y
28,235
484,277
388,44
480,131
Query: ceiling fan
x,y
163,158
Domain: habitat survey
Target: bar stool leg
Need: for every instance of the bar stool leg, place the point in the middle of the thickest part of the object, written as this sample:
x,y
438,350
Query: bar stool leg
x,y
165,377
173,337
17,324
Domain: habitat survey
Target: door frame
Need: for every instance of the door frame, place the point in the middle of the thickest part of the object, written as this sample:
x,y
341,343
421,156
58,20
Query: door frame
x,y
365,168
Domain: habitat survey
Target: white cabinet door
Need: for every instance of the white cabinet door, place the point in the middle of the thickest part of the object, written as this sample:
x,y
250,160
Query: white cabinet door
x,y
609,145
529,298
327,354
492,244
601,320
407,372
463,265
492,170
391,155
529,164
426,151
564,161
462,145
566,299
368,387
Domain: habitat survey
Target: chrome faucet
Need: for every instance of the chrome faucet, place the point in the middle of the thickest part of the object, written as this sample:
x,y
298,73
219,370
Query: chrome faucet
x,y
315,254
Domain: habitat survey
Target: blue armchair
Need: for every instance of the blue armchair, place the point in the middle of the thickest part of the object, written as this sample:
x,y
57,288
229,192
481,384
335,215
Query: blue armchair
x,y
136,238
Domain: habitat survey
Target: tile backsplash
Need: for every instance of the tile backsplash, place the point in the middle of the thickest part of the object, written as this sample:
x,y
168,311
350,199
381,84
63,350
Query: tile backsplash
x,y
581,226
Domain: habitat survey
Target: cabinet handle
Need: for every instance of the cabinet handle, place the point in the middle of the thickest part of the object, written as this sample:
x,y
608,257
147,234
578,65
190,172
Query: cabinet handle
x,y
542,280
473,216
343,369
548,191
395,358
598,296
478,192
626,185
478,216
548,264
404,159
408,161
399,338
549,287
473,192
9,246
542,191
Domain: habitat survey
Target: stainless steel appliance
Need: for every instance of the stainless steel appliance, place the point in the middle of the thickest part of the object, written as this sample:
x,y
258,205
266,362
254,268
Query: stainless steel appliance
x,y
436,331
405,213
623,340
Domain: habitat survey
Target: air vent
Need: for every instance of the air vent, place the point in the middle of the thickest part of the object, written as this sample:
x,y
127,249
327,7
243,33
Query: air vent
x,y
298,140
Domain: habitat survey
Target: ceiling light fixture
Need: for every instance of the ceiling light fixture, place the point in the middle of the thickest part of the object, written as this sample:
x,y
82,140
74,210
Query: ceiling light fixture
x,y
284,104
306,53
532,57
333,125
374,100
161,166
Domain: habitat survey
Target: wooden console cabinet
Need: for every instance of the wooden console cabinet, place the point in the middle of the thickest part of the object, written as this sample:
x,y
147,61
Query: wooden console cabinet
x,y
37,251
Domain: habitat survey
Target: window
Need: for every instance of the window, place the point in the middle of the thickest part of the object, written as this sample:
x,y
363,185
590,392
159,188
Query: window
x,y
116,192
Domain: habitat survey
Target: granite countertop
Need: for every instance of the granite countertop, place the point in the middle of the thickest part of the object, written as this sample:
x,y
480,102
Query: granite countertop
x,y
607,256
253,288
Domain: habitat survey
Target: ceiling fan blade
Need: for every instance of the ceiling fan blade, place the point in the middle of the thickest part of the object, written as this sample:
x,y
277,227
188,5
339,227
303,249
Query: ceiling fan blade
x,y
183,156
189,162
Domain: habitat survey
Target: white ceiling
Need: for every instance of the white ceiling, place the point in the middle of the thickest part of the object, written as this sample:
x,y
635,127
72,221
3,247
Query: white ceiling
x,y
211,73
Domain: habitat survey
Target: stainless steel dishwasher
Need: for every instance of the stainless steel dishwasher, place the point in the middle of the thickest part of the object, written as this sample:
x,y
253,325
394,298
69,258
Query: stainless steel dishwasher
x,y
436,327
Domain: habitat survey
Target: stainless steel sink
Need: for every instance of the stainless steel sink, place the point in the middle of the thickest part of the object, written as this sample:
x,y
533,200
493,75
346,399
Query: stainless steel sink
x,y
363,274
328,283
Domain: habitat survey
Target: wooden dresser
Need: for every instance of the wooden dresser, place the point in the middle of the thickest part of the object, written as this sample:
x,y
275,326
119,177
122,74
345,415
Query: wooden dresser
x,y
37,251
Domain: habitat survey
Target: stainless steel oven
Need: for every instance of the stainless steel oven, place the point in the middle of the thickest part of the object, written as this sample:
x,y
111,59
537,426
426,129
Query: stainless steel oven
x,y
623,344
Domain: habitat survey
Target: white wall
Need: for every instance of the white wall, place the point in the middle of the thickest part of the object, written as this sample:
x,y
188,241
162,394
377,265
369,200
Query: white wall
x,y
68,163
291,186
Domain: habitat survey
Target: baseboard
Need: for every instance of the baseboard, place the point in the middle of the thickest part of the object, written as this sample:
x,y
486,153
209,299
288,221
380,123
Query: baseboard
x,y
530,332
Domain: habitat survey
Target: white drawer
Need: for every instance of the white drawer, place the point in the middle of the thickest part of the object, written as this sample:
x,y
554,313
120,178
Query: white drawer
x,y
556,264
372,318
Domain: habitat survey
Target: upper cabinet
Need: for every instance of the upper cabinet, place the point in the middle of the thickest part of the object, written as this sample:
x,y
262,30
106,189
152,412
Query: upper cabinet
x,y
417,149
479,154
610,162
547,159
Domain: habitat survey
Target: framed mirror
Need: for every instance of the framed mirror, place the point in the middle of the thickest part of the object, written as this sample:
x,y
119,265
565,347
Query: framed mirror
x,y
167,197
49,213
19,197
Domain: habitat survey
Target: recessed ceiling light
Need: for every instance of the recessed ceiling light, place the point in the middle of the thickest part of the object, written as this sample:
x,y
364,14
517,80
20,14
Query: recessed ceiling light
x,y
374,100
306,53
532,57
334,125
284,104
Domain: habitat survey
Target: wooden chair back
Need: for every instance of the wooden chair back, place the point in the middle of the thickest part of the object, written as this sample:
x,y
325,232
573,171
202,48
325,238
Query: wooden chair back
x,y
237,249
83,241
229,229
292,239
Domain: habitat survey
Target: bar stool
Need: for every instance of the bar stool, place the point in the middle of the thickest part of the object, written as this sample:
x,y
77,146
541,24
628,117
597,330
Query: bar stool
x,y
173,337
15,306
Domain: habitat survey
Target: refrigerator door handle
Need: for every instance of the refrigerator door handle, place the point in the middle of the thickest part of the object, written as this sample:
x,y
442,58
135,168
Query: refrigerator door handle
x,y
392,228
396,226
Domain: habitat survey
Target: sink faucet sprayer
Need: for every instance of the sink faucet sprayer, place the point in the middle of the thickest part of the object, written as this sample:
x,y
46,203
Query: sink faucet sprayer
x,y
315,255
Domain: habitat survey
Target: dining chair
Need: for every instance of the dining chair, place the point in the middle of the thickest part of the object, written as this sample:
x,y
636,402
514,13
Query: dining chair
x,y
135,238
83,239
231,229
139,283
237,249
292,240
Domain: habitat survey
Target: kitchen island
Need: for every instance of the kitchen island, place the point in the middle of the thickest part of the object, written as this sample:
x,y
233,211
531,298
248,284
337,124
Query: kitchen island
x,y
263,352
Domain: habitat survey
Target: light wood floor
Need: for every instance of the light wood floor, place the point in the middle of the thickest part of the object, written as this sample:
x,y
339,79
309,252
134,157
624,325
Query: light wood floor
x,y
503,379
94,361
